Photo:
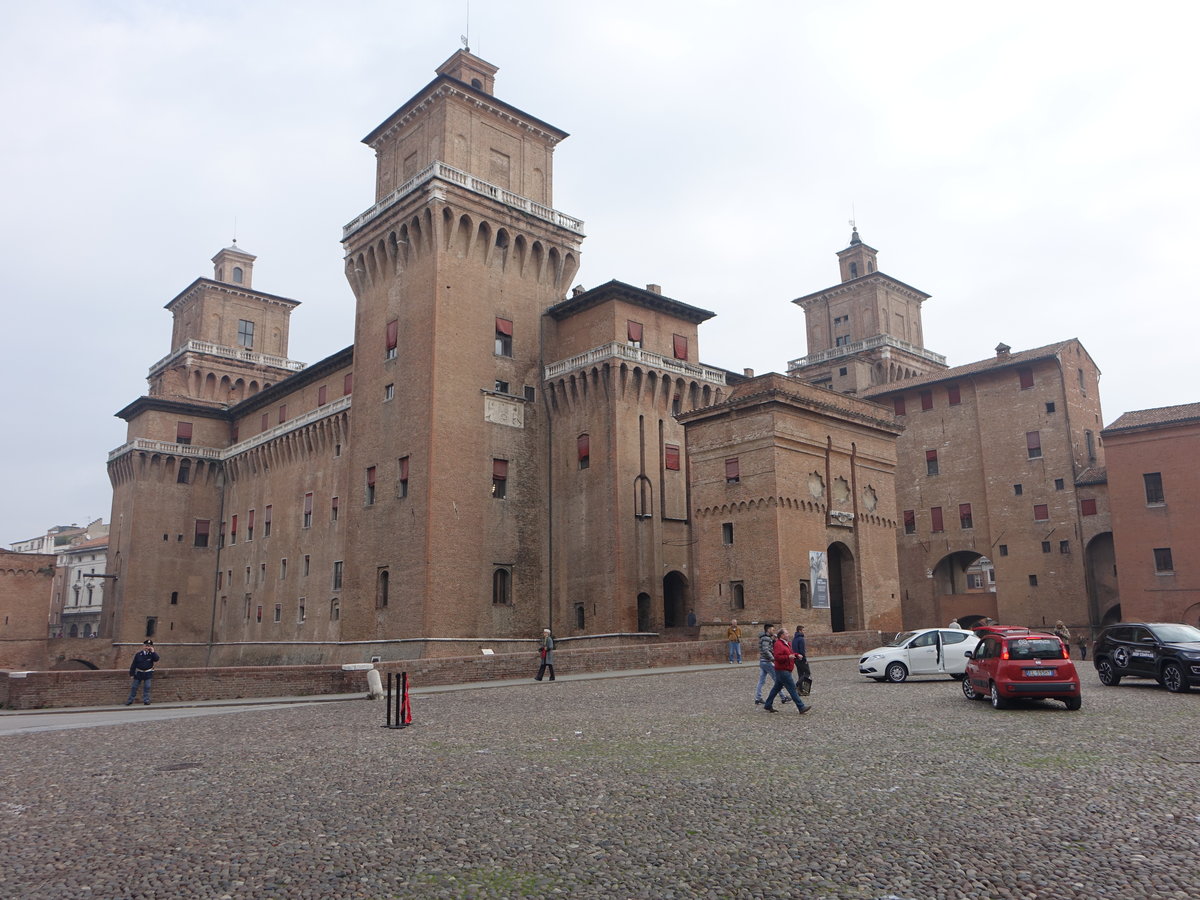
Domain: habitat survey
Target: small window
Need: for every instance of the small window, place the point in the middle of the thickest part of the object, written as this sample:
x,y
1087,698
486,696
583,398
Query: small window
x,y
1059,484
530,394
250,525
282,568
370,485
953,395
1004,549
842,340
1087,507
580,617
1154,487
333,510
633,333
282,413
201,535
501,387
337,575
1089,441
727,532
671,457
679,344
733,471
965,519
393,335
1033,581
300,611
1064,546
1082,383
898,405
151,625
1162,560
347,384
402,484
1033,444
382,584
267,521
842,370
1018,490
184,475
502,587
499,478
335,610
1025,378
853,270
238,275
233,531
504,337
1050,408
389,392
935,519
308,509
258,614
931,462
264,422
1045,546
584,451
322,395
307,561
278,613
926,400
1041,512
910,521
737,595
183,432
245,334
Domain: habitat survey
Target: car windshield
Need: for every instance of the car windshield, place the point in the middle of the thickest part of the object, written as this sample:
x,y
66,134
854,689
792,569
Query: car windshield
x,y
1177,634
1035,648
903,638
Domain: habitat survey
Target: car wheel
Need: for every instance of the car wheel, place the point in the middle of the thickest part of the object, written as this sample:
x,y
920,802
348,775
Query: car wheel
x,y
896,672
969,690
998,702
1073,703
1108,674
959,677
878,678
1174,679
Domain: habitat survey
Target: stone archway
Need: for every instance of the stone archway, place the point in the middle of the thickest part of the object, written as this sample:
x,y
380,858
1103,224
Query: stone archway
x,y
845,607
675,596
964,589
643,612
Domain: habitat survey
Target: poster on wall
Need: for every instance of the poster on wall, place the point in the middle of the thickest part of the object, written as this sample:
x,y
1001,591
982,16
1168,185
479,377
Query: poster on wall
x,y
818,568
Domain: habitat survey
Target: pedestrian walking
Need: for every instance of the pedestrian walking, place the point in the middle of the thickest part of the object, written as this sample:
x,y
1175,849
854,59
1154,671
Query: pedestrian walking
x,y
766,660
546,652
141,670
1082,641
783,663
733,634
803,672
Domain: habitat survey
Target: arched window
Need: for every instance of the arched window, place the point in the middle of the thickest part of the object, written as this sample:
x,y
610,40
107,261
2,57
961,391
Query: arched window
x,y
237,274
579,617
585,451
381,591
74,631
502,587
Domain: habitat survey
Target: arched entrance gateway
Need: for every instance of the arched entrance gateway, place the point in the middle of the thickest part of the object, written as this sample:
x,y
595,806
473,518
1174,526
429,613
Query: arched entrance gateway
x,y
964,589
643,612
845,608
675,590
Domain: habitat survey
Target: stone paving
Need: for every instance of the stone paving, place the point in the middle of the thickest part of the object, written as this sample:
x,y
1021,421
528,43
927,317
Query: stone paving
x,y
671,785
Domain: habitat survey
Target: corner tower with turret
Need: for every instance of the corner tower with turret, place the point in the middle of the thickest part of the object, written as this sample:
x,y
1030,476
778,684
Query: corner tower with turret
x,y
452,268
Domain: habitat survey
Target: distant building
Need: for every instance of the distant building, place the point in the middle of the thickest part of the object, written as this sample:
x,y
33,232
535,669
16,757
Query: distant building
x,y
1000,479
1154,492
54,540
81,587
26,581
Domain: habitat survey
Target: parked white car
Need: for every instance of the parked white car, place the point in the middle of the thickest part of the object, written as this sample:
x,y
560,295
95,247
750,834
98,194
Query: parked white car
x,y
927,651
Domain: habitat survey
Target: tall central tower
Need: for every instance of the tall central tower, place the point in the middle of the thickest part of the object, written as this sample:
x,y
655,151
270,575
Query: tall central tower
x,y
452,268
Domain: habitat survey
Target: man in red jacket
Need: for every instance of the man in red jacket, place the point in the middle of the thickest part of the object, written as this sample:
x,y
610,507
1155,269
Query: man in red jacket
x,y
784,663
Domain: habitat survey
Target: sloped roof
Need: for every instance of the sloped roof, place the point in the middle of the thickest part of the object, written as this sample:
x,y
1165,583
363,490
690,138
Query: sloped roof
x,y
1092,475
994,363
1163,415
619,290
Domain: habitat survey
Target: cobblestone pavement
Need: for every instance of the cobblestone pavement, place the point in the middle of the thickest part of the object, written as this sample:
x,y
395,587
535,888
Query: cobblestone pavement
x,y
665,786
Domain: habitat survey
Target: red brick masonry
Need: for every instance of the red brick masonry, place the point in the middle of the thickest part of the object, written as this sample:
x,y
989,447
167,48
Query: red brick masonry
x,y
107,687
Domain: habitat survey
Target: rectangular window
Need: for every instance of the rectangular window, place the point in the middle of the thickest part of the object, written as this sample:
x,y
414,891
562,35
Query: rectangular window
x,y
1162,560
1004,549
1050,408
501,387
348,384
184,475
733,471
393,334
333,510
337,575
262,573
1041,512
926,400
633,333
233,531
402,486
335,610
265,422
278,613
1059,484
322,395
898,406
250,526
910,521
727,532
504,337
964,516
283,568
1154,487
931,462
1082,383
953,395
308,500
1087,507
201,536
307,560
499,478
1025,377
583,448
300,611
247,575
1045,546
1064,546
282,413
935,519
679,344
1018,490
1033,444
389,392
671,457
234,430
258,614
530,393
183,432
267,521
245,334
1033,581
842,340
370,485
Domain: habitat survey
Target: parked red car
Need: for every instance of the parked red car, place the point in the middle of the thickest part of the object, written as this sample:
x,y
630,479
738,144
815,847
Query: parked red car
x,y
1018,664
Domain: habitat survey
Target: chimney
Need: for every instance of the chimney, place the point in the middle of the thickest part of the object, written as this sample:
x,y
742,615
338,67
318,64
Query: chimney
x,y
1002,351
654,288
749,373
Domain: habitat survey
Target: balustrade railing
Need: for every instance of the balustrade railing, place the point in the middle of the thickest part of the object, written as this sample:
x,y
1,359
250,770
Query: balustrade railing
x,y
637,355
238,353
879,340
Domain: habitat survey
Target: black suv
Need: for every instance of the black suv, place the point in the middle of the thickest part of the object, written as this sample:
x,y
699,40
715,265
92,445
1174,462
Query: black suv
x,y
1165,651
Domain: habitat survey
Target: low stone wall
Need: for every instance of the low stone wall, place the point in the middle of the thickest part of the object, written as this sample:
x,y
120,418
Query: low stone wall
x,y
106,687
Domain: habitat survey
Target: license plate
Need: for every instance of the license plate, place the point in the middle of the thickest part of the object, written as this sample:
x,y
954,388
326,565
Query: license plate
x,y
1035,673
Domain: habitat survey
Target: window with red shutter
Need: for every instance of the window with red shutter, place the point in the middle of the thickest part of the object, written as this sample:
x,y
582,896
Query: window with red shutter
x,y
671,457
953,395
1025,376
634,333
1087,507
935,519
584,448
910,521
1033,444
931,462
733,471
1041,512
926,400
680,345
393,334
183,432
965,519
898,406
322,395
348,384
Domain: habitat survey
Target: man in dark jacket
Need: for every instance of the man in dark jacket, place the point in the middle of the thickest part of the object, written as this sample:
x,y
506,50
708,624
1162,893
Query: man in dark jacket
x,y
803,672
141,670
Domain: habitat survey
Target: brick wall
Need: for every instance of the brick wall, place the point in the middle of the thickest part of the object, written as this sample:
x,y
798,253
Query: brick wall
x,y
107,687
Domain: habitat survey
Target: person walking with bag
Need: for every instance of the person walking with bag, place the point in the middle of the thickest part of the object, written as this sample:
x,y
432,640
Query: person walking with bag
x,y
784,662
141,670
547,654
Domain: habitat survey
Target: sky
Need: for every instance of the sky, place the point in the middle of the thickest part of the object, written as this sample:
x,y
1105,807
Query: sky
x,y
1030,165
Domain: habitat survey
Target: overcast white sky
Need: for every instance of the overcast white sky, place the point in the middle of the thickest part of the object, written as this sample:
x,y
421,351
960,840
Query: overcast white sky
x,y
1031,165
